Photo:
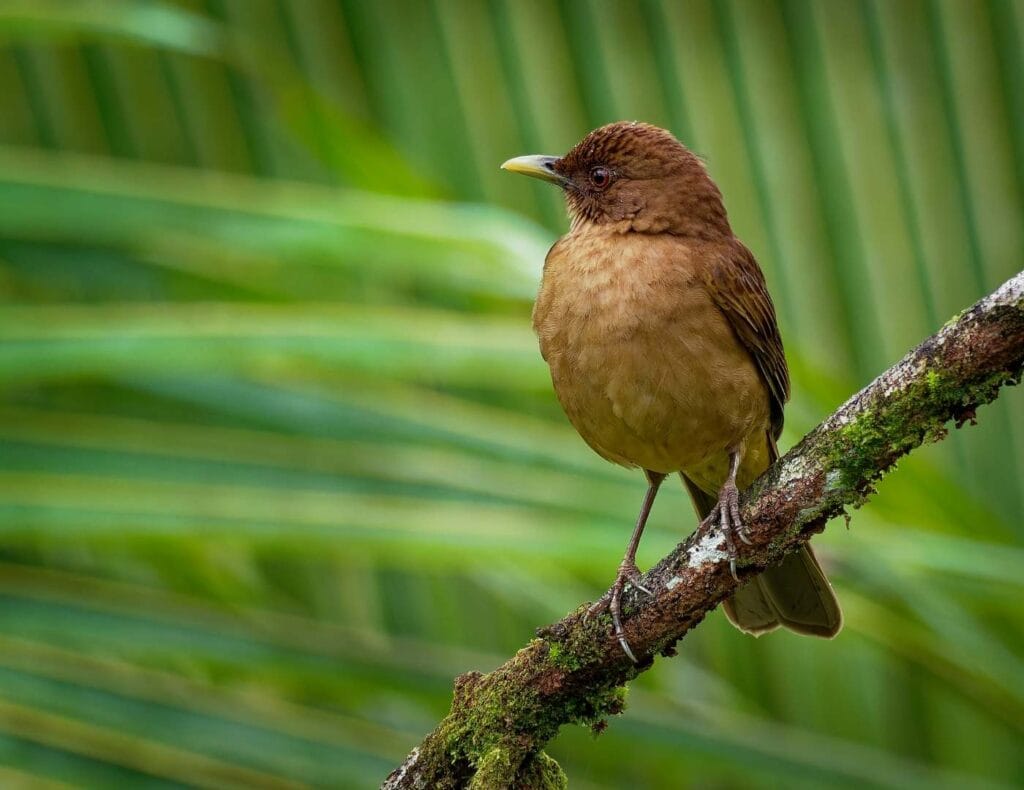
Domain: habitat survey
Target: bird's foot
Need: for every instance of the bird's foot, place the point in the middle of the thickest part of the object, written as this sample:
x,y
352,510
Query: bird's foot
x,y
612,601
726,514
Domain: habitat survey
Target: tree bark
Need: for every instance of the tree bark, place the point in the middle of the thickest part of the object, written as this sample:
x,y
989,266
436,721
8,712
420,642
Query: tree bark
x,y
575,671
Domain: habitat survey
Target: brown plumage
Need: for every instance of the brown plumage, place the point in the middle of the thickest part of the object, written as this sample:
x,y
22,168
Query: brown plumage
x,y
664,348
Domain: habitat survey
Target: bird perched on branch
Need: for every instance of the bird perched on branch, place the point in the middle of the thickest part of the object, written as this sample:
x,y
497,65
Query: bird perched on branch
x,y
665,352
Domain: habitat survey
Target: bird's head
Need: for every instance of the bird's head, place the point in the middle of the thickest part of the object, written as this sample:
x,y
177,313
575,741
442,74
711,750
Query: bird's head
x,y
636,177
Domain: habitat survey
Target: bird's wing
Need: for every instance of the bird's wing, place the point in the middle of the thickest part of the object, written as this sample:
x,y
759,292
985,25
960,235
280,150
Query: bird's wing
x,y
737,286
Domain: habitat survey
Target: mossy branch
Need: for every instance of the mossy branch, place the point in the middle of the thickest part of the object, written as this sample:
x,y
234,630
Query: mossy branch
x,y
575,671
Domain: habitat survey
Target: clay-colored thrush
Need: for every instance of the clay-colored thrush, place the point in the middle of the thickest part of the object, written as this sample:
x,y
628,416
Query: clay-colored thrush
x,y
665,352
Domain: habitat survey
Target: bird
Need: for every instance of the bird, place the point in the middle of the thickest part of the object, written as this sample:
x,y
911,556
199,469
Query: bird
x,y
665,353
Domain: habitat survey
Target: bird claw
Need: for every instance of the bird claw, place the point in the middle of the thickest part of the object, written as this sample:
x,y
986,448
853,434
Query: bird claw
x,y
597,607
612,601
626,649
633,576
726,515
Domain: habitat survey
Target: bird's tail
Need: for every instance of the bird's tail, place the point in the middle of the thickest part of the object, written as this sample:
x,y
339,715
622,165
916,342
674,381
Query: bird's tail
x,y
795,594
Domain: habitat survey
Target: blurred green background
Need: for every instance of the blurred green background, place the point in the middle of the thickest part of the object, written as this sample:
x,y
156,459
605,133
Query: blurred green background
x,y
278,454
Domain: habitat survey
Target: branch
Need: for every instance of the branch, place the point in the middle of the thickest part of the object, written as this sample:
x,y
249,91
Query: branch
x,y
575,671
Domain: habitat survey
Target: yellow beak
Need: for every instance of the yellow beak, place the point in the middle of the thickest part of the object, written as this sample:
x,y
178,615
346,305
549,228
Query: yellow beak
x,y
542,167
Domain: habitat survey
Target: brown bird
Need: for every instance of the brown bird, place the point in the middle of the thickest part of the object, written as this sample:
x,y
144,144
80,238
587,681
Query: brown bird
x,y
665,352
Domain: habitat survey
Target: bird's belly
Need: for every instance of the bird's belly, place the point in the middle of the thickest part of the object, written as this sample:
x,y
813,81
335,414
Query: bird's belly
x,y
660,409
666,392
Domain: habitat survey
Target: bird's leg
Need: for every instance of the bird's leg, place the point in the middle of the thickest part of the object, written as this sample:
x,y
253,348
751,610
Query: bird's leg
x,y
628,572
727,512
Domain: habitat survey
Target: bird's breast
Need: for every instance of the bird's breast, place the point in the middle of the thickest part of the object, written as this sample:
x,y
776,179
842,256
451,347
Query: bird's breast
x,y
646,367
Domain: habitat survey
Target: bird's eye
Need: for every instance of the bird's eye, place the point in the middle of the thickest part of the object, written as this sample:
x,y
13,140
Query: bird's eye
x,y
600,177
